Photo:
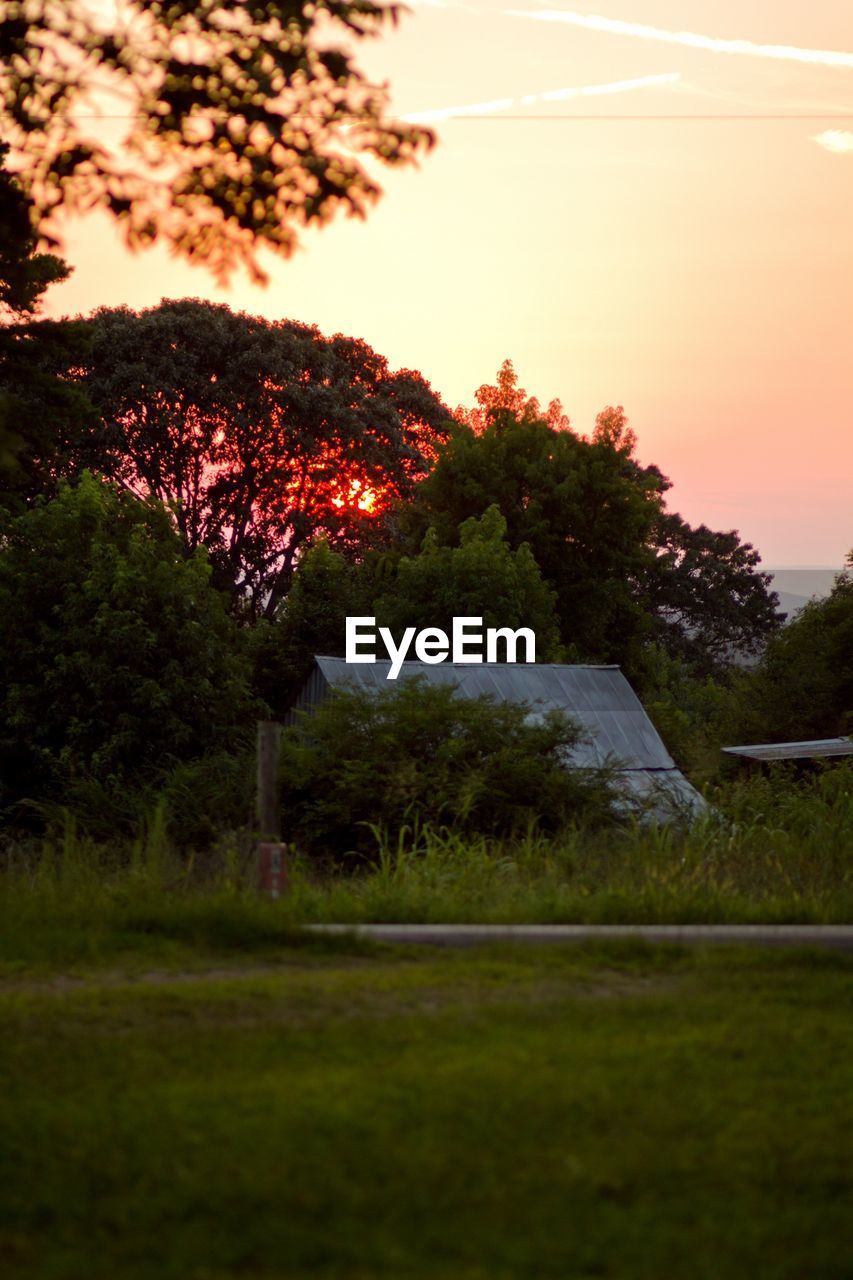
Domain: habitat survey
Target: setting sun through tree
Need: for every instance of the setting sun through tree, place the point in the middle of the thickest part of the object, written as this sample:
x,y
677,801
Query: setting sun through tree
x,y
361,496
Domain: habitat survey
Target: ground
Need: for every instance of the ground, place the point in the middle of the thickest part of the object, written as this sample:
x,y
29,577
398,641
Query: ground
x,y
347,1111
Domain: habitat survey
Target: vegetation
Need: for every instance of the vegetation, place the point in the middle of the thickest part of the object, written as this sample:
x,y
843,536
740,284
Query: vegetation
x,y
481,577
803,687
191,503
419,754
770,850
39,414
238,119
117,657
609,1110
261,435
625,570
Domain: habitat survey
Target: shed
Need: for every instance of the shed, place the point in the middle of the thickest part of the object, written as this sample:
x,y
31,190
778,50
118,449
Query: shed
x,y
816,749
616,727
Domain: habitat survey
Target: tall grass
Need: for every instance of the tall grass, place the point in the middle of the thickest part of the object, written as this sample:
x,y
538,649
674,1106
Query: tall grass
x,y
770,849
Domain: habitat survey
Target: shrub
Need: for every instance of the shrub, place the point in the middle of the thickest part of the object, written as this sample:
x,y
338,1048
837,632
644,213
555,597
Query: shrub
x,y
803,687
117,658
418,753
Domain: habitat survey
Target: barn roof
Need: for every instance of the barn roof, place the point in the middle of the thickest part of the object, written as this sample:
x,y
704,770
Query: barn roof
x,y
616,728
599,698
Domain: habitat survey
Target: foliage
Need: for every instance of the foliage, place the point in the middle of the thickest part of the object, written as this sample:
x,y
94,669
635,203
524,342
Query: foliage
x,y
417,753
625,570
311,620
709,599
117,658
576,503
506,396
803,687
767,850
241,123
482,578
39,414
691,712
772,849
25,273
262,434
206,800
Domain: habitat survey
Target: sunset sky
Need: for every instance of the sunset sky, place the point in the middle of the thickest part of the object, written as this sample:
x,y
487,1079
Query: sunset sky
x,y
678,241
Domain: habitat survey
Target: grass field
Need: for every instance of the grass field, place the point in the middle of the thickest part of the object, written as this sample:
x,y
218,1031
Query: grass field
x,y
193,1089
610,1111
770,852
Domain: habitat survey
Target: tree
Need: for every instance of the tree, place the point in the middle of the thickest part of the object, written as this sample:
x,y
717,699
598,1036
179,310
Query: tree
x,y
242,122
584,513
710,601
506,396
482,577
625,570
262,435
803,686
38,412
326,590
24,272
117,659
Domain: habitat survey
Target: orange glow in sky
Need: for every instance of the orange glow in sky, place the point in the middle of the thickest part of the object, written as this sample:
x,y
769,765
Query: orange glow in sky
x,y
649,204
365,499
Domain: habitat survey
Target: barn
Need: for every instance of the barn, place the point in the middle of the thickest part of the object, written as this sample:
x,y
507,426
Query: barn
x,y
616,728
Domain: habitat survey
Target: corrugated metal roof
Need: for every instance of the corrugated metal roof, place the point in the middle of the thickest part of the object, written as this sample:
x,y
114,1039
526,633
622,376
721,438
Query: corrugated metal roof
x,y
818,749
600,699
615,725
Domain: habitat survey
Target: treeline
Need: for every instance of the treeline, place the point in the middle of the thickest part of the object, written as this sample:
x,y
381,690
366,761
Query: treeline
x,y
193,499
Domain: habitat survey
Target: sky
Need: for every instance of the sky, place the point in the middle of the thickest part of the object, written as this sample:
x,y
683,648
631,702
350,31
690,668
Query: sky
x,y
649,203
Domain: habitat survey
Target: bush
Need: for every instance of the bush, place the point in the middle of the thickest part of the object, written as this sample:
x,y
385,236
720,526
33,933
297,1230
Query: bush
x,y
117,658
803,687
416,753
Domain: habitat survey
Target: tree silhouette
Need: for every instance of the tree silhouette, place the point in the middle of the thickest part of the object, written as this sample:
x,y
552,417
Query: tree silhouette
x,y
242,122
261,435
505,396
625,569
38,412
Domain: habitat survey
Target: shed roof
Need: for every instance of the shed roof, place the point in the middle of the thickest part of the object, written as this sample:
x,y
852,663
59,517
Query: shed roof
x,y
816,749
615,726
599,698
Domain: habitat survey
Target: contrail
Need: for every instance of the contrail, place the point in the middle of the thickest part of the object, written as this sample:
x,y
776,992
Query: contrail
x,y
689,39
552,95
839,141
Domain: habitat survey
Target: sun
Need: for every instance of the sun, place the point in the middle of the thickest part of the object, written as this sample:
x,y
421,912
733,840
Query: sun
x,y
360,496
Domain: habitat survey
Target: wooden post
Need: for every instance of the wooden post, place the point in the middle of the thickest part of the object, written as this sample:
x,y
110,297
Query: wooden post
x,y
271,862
269,822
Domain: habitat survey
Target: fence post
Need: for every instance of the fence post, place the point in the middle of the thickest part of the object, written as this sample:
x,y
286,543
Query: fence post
x,y
271,864
269,822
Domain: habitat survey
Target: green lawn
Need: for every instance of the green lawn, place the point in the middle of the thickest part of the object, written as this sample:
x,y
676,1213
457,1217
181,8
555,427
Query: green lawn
x,y
602,1111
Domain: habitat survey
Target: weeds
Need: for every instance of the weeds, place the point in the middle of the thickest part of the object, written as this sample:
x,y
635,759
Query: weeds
x,y
769,850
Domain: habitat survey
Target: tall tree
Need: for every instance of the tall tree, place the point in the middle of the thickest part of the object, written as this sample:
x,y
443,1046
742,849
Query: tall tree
x,y
116,657
506,396
585,515
39,414
710,600
625,569
242,122
481,577
262,435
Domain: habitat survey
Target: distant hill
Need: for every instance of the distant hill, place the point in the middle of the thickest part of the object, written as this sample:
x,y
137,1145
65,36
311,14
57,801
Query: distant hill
x,y
790,603
796,586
